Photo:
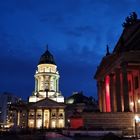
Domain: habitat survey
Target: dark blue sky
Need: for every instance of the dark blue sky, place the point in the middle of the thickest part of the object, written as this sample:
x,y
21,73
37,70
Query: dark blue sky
x,y
77,32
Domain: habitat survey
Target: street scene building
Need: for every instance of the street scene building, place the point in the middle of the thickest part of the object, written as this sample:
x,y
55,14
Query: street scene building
x,y
118,75
76,104
7,118
46,80
45,108
118,83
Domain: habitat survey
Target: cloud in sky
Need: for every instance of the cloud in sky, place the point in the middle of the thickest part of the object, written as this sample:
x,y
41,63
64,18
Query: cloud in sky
x,y
77,32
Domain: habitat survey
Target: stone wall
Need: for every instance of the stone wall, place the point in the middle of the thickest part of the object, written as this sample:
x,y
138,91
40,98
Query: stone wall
x,y
124,121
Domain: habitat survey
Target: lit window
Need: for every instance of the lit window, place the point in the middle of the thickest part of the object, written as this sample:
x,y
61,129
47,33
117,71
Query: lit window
x,y
39,123
53,114
60,115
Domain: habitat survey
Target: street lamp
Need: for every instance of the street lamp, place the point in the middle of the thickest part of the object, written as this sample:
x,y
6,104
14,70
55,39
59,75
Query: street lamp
x,y
137,119
68,121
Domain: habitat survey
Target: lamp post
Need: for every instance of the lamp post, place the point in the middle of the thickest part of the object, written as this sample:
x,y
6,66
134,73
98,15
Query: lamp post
x,y
137,119
68,121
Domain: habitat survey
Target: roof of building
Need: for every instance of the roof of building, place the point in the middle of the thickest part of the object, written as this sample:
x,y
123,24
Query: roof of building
x,y
47,58
78,97
44,103
127,48
130,37
47,103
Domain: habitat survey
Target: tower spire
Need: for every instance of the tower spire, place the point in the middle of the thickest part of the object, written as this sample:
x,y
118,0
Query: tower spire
x,y
107,50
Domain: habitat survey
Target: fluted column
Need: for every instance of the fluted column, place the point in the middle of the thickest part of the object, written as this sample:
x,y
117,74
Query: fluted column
x,y
36,84
42,118
35,118
27,117
44,84
100,96
103,96
57,84
112,97
39,83
50,113
125,87
118,91
18,118
49,79
57,118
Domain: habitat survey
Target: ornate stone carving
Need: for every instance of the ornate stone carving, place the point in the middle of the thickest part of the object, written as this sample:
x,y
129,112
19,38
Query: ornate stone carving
x,y
130,20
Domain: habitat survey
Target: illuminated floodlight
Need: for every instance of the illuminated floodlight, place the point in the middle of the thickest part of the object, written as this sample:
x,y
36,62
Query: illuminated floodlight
x,y
137,119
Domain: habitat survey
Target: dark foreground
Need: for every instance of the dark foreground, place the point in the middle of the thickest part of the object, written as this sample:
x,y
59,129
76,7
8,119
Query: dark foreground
x,y
55,136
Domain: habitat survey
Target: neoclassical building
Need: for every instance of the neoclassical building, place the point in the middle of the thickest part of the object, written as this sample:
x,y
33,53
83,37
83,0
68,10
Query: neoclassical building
x,y
46,80
45,108
118,74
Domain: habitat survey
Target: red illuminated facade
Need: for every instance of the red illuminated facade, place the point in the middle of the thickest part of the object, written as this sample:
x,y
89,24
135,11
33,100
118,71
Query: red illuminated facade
x,y
118,75
76,122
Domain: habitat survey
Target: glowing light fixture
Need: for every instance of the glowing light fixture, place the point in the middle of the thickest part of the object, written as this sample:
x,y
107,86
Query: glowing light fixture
x,y
137,119
132,103
39,123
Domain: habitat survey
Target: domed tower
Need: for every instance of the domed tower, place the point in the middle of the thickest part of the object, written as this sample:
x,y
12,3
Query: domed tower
x,y
46,80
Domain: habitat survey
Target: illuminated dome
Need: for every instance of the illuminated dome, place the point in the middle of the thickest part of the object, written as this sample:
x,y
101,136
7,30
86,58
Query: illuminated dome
x,y
78,97
47,58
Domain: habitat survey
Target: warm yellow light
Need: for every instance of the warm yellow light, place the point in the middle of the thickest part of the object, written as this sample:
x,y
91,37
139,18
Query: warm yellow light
x,y
132,103
53,124
31,123
39,123
137,118
139,101
61,123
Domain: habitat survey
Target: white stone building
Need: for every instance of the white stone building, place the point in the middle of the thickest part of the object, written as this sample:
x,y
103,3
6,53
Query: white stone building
x,y
46,80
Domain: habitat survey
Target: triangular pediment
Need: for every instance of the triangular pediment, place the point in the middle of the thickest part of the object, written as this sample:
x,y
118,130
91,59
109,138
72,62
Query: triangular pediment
x,y
47,103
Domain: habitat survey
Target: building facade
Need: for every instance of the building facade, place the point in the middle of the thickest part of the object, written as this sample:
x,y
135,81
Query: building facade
x,y
45,108
46,80
7,117
118,75
44,114
76,105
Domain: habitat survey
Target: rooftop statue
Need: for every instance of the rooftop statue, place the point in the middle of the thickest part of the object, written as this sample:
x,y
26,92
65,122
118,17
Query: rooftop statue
x,y
129,20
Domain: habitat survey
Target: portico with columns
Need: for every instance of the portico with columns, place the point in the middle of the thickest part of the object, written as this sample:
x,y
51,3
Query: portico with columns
x,y
118,74
118,89
44,114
